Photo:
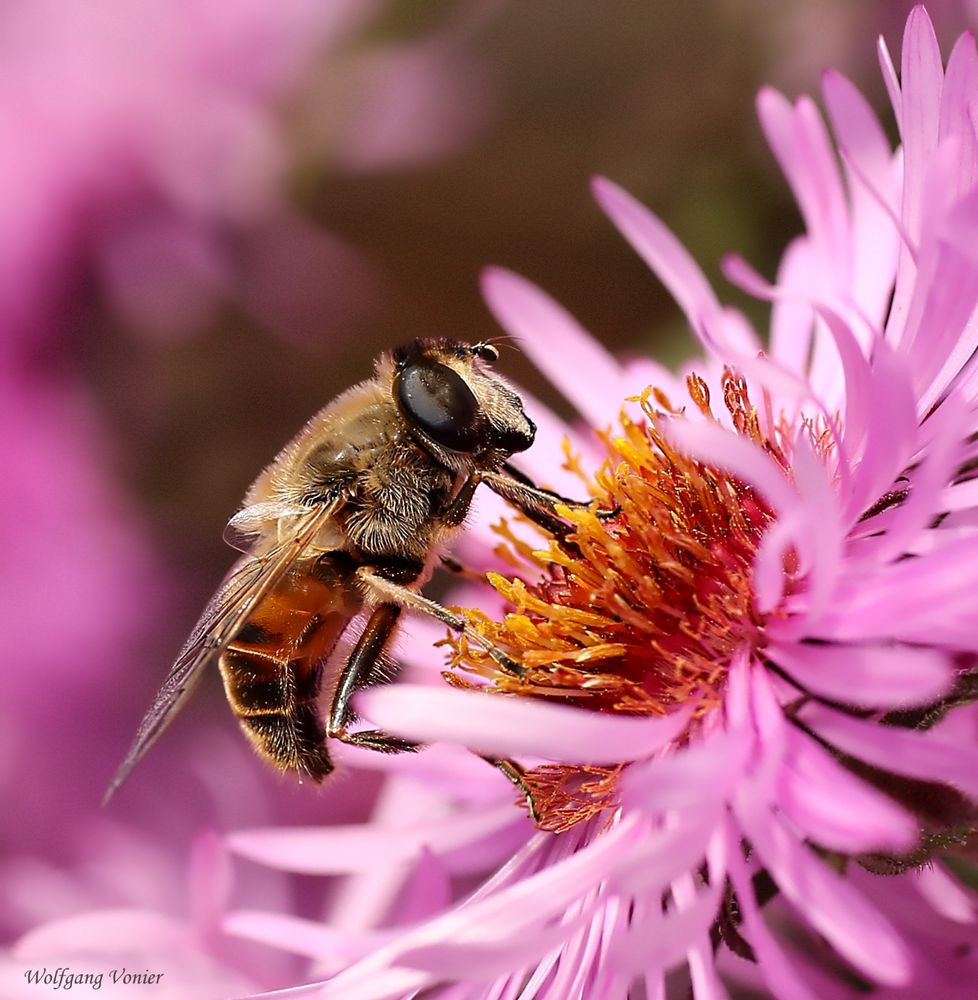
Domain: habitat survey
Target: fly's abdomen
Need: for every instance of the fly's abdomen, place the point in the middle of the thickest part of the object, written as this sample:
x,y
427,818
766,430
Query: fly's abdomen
x,y
272,670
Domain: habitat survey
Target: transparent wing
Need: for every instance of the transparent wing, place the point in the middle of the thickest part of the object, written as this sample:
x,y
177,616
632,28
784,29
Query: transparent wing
x,y
249,581
246,529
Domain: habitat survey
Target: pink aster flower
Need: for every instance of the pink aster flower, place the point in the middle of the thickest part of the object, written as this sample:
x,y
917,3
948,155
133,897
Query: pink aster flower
x,y
748,693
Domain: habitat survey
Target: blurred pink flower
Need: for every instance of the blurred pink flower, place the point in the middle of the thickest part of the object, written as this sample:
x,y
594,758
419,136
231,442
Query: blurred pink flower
x,y
140,140
858,450
73,555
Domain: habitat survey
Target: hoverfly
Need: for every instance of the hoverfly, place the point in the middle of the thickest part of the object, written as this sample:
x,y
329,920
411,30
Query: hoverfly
x,y
353,514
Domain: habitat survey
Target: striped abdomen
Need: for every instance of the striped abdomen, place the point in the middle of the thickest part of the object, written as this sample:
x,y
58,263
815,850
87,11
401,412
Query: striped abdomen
x,y
272,670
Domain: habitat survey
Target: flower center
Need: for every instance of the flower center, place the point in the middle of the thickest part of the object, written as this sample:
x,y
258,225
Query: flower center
x,y
635,612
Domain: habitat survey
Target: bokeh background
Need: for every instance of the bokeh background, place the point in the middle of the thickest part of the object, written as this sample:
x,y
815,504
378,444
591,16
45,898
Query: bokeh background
x,y
213,215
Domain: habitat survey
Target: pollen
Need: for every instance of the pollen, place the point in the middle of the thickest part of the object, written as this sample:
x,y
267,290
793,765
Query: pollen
x,y
641,605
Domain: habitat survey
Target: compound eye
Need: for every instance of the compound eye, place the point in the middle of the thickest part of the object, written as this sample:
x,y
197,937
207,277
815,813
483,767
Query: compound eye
x,y
486,352
437,401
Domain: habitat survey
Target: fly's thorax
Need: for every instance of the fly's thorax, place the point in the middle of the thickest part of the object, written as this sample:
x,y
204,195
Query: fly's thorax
x,y
350,444
393,508
333,443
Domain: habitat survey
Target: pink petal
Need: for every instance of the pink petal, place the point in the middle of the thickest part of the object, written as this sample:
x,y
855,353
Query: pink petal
x,y
771,729
488,854
918,119
686,778
959,724
824,383
428,890
916,754
786,387
828,901
299,936
579,959
557,344
659,940
703,976
957,102
945,894
888,607
736,697
888,676
798,139
857,128
486,959
664,854
834,808
890,429
211,881
921,77
510,726
780,974
943,334
362,900
365,982
519,913
365,847
713,445
441,770
106,932
606,982
875,228
820,535
959,496
629,858
791,318
829,379
950,425
890,79
731,333
769,578
645,372
856,374
741,273
663,253
965,383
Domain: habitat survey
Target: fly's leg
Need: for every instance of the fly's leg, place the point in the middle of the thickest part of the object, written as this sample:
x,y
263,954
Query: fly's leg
x,y
540,506
396,596
387,590
545,496
357,673
536,504
457,508
452,516
384,586
516,774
